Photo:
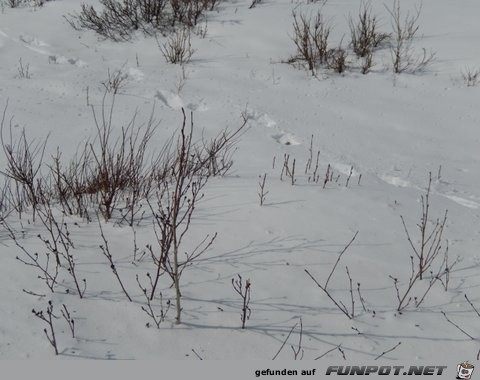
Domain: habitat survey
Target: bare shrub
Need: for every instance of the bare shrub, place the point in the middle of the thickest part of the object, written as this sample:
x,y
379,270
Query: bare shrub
x,y
405,31
117,163
23,70
367,62
115,81
364,33
311,39
471,76
177,193
156,316
190,12
24,161
337,60
173,209
59,243
14,3
177,49
215,156
119,19
71,183
429,250
48,271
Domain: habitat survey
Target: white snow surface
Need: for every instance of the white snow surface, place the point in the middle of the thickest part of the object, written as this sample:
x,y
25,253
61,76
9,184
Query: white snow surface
x,y
391,129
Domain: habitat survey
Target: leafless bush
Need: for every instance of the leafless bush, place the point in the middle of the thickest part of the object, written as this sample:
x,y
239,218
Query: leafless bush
x,y
115,81
71,183
48,271
119,19
23,70
339,304
311,39
215,156
176,200
430,249
471,76
178,48
59,243
405,31
244,291
156,317
190,12
364,33
14,3
185,171
337,60
108,173
367,62
48,319
24,161
117,163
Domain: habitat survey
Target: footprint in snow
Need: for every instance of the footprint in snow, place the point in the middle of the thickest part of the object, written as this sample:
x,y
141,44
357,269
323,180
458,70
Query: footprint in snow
x,y
261,119
286,138
34,44
60,60
170,99
399,182
201,106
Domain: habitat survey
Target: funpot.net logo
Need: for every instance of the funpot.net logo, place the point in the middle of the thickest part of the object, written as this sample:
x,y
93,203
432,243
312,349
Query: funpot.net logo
x,y
386,370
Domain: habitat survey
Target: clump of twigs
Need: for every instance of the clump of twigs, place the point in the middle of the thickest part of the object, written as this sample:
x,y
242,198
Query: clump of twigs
x,y
471,76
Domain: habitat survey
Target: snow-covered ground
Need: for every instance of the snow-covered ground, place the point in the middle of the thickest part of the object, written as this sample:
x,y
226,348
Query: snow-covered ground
x,y
393,129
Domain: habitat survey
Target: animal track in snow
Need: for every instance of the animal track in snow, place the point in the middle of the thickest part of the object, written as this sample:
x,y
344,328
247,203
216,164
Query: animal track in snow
x,y
286,138
399,182
201,106
260,119
170,99
60,59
